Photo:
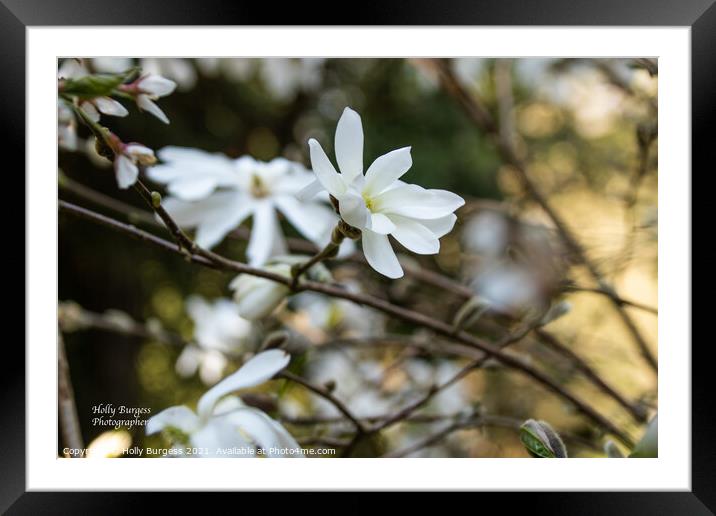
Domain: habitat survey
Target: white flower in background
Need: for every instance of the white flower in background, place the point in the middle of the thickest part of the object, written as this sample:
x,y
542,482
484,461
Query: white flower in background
x,y
66,126
487,234
181,71
259,297
111,64
285,77
357,379
126,160
215,194
218,331
509,288
222,422
378,203
331,314
146,90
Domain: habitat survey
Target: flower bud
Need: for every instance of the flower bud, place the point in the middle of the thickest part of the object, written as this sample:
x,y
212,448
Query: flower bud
x,y
258,297
541,441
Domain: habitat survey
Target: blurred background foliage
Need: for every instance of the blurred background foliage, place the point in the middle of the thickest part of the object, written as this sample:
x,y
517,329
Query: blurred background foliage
x,y
580,124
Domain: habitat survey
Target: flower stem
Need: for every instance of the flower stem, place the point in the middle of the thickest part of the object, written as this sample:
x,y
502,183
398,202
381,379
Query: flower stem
x,y
299,269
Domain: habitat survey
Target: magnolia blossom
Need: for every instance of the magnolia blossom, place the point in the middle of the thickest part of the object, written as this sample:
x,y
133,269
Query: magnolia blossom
x,y
215,194
378,203
146,90
222,423
218,331
126,160
258,297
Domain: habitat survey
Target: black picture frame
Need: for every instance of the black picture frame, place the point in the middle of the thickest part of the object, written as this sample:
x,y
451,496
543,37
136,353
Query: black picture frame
x,y
699,15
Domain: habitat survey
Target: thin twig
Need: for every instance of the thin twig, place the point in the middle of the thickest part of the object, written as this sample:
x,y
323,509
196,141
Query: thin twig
x,y
325,394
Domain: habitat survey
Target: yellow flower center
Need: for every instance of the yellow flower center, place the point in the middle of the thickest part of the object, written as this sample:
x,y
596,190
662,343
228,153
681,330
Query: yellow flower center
x,y
258,188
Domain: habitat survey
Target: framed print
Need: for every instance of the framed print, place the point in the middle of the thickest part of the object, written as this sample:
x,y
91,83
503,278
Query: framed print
x,y
363,257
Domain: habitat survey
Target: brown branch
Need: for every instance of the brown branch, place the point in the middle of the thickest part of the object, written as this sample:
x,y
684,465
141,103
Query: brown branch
x,y
325,394
212,260
298,245
637,411
482,119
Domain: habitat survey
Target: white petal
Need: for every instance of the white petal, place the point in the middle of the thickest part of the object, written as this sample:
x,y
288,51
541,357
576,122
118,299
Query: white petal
x,y
387,169
90,111
265,432
414,236
353,210
310,191
264,232
440,227
218,433
136,149
349,144
417,202
216,224
192,188
126,171
380,223
380,254
156,85
212,367
257,298
180,417
308,218
188,361
254,372
110,106
324,170
146,104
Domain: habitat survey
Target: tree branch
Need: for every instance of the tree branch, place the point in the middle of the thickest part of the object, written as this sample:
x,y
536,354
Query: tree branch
x,y
483,120
212,260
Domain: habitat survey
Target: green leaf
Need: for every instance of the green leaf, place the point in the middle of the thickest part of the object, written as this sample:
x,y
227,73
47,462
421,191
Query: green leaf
x,y
97,85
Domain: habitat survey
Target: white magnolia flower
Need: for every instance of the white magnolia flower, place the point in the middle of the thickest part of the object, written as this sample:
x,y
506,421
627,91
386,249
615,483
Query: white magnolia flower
x,y
222,423
147,89
218,331
378,203
258,297
215,194
126,160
